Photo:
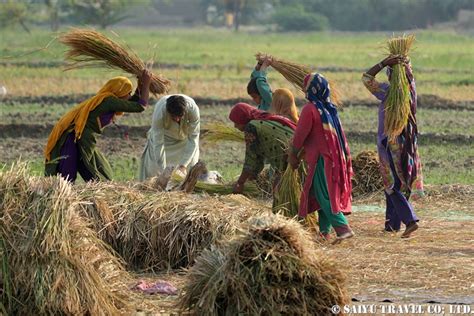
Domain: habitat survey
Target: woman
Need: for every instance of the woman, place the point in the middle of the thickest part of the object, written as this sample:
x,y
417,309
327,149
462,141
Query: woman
x,y
266,137
328,185
71,146
258,87
283,103
173,139
400,164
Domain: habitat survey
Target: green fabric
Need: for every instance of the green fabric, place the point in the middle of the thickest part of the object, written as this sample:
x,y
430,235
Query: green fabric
x,y
263,88
327,218
266,142
93,159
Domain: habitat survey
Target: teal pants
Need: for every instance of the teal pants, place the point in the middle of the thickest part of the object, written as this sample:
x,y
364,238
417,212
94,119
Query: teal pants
x,y
327,218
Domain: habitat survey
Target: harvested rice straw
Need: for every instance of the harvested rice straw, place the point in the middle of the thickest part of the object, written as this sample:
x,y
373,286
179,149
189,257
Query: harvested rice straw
x,y
287,199
89,48
295,74
53,263
271,265
217,132
367,178
250,188
397,104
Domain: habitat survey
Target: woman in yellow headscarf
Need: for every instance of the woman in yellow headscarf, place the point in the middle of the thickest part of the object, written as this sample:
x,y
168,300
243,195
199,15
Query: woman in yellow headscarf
x,y
71,146
283,103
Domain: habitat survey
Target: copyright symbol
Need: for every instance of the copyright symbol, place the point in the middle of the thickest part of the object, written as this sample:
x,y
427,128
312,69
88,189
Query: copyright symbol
x,y
335,309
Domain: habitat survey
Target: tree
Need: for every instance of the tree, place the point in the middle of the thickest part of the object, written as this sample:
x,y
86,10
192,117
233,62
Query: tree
x,y
101,12
13,13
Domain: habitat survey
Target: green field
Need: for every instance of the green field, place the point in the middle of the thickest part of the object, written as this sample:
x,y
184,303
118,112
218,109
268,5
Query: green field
x,y
216,64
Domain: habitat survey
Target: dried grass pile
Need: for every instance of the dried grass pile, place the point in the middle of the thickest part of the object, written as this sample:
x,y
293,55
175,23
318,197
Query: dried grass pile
x,y
89,48
52,262
218,132
271,267
295,74
160,230
397,104
367,178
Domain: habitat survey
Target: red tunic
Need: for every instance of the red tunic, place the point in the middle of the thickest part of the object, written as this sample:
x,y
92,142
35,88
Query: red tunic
x,y
309,134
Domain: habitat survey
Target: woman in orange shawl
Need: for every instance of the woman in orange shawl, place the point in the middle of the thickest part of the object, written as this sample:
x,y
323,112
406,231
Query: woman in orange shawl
x,y
71,146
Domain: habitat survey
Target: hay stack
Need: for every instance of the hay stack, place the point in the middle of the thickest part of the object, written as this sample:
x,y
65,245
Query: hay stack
x,y
159,230
53,263
89,48
271,267
367,177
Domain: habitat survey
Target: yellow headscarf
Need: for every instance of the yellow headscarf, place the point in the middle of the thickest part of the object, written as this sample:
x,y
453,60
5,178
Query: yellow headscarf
x,y
118,87
283,103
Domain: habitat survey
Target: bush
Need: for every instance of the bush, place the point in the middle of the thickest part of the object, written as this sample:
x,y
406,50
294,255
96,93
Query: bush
x,y
295,18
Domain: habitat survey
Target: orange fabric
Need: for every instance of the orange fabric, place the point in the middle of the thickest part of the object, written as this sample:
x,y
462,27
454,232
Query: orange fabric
x,y
77,117
283,103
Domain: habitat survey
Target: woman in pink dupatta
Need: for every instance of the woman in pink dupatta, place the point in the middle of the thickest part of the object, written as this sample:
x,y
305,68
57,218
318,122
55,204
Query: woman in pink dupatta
x,y
328,187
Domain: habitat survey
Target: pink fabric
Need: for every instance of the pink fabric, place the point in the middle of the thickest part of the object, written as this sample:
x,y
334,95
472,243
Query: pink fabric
x,y
159,287
242,113
309,134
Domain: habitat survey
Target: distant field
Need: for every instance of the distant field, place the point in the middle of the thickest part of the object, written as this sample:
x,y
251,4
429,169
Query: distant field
x,y
215,64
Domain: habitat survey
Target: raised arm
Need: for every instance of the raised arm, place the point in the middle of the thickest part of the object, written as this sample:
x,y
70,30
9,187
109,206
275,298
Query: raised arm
x,y
378,89
262,84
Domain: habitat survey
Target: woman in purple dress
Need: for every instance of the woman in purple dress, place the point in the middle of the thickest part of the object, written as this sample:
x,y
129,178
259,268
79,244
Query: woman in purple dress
x,y
400,164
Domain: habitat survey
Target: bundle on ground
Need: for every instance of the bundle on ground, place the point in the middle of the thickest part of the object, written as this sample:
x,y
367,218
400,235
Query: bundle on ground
x,y
159,230
367,177
250,188
89,48
53,263
271,267
218,132
397,104
295,74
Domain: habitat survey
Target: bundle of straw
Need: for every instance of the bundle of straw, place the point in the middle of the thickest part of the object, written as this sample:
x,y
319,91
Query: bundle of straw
x,y
217,132
159,230
88,48
397,104
295,74
287,199
53,263
367,177
271,267
250,188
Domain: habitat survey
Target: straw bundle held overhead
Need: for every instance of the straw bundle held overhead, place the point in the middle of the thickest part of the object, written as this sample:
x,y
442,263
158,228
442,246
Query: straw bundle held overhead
x,y
397,104
367,177
217,132
89,48
295,74
53,263
270,267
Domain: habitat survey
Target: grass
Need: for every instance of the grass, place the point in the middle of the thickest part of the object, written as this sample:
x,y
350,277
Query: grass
x,y
210,46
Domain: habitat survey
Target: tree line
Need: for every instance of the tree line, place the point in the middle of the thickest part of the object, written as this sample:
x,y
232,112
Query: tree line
x,y
285,15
